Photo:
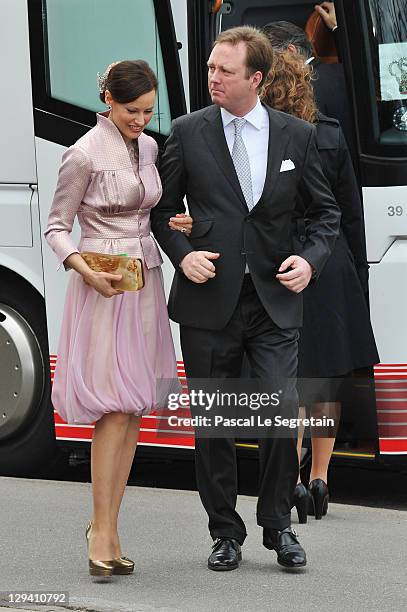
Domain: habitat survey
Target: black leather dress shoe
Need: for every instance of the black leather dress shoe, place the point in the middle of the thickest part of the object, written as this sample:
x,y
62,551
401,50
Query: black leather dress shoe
x,y
225,555
290,553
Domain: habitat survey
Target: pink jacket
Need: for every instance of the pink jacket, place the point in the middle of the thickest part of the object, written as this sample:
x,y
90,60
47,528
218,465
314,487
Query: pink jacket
x,y
97,183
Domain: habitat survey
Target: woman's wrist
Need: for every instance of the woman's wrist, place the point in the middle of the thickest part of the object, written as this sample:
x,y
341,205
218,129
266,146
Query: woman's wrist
x,y
77,263
88,275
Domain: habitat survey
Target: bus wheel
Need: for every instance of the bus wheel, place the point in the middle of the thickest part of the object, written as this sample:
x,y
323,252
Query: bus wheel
x,y
27,433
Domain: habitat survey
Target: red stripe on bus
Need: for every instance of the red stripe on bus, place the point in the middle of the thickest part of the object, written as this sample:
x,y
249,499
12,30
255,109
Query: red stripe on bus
x,y
66,431
387,405
163,424
389,376
392,431
391,394
153,437
388,445
391,407
391,418
389,368
390,385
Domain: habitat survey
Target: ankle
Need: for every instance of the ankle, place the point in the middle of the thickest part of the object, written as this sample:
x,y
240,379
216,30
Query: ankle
x,y
101,531
319,476
102,522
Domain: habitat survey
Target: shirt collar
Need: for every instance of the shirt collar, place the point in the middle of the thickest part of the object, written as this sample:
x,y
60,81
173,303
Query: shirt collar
x,y
254,117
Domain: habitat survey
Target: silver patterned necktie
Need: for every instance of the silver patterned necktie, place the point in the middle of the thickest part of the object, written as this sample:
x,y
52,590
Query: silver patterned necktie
x,y
241,162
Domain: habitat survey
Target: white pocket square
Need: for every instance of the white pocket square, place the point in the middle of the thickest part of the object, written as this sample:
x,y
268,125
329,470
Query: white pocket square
x,y
286,165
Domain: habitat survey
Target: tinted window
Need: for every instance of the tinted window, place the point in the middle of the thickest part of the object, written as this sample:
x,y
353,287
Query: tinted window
x,y
83,36
389,47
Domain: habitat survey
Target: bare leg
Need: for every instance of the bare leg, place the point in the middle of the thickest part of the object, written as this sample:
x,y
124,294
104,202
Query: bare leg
x,y
126,460
301,415
322,447
108,439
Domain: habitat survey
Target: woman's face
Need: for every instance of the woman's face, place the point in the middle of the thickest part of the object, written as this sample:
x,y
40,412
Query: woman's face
x,y
131,118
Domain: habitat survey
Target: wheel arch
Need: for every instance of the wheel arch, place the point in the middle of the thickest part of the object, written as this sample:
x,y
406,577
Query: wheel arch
x,y
14,268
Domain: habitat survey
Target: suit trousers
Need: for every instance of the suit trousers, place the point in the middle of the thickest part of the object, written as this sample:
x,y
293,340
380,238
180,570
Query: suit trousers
x,y
272,354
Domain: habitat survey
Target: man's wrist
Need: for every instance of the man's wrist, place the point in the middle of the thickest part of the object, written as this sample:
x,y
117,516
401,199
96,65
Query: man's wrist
x,y
182,260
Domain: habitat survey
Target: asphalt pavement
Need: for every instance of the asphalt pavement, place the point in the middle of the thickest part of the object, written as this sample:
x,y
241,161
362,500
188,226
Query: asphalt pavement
x,y
356,555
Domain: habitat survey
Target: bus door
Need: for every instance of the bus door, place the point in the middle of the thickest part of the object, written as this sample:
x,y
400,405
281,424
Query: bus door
x,y
374,36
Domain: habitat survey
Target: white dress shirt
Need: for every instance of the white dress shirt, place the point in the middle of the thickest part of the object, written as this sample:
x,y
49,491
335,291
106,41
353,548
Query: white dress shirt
x,y
255,134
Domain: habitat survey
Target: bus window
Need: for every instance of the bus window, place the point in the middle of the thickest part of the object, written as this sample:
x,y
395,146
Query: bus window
x,y
389,48
72,40
84,36
379,66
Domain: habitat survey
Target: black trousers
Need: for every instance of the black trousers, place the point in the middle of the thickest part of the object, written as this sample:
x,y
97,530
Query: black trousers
x,y
272,353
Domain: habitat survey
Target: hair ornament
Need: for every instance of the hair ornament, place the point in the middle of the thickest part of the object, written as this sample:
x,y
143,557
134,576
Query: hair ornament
x,y
102,78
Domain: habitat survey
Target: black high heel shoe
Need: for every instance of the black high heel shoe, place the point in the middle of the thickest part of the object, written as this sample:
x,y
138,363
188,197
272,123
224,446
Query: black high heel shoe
x,y
319,498
301,501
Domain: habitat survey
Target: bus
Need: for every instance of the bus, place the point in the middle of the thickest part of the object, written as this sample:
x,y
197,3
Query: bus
x,y
50,54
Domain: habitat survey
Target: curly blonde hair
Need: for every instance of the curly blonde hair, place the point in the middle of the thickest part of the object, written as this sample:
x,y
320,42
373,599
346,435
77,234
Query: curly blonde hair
x,y
289,87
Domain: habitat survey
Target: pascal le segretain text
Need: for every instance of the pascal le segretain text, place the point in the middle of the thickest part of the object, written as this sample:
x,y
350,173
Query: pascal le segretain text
x,y
254,420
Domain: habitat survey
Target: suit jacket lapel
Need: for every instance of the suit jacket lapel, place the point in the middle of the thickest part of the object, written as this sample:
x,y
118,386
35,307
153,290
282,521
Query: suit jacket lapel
x,y
278,140
214,135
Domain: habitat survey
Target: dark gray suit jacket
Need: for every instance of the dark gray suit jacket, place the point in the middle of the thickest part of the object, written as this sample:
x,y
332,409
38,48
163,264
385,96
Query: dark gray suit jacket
x,y
197,163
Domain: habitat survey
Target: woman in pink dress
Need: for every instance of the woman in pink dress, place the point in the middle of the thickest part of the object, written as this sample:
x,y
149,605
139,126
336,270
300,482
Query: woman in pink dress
x,y
115,347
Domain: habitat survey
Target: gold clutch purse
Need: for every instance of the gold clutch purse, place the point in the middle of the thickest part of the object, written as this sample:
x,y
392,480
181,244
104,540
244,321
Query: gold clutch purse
x,y
131,269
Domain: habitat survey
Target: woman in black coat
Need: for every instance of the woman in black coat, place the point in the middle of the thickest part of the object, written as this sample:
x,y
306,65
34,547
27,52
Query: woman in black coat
x,y
336,337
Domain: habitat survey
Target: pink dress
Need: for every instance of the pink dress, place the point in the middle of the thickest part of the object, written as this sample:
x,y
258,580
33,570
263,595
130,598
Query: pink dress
x,y
115,354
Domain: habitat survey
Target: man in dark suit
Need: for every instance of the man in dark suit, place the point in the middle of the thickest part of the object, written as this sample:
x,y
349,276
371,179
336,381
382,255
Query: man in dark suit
x,y
237,283
329,83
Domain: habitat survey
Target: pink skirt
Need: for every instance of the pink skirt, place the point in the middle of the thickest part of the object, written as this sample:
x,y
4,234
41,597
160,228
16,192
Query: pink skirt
x,y
115,354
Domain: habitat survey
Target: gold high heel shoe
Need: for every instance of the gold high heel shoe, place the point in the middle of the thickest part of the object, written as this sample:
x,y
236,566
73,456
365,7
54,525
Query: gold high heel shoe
x,y
120,565
123,566
98,568
101,568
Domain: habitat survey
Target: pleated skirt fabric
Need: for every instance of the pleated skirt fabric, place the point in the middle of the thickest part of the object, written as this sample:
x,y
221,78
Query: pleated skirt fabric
x,y
115,354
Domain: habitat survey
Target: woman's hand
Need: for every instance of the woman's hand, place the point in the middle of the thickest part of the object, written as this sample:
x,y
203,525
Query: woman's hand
x,y
327,12
102,282
182,223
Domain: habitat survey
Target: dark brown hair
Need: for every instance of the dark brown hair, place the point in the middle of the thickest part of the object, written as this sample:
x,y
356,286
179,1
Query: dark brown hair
x,y
289,87
128,80
284,33
259,53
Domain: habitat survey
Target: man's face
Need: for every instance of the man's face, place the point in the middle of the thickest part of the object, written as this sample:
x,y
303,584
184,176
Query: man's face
x,y
229,84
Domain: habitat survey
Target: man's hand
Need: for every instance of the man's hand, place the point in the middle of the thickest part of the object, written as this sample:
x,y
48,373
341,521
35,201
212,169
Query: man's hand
x,y
198,266
327,12
298,277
